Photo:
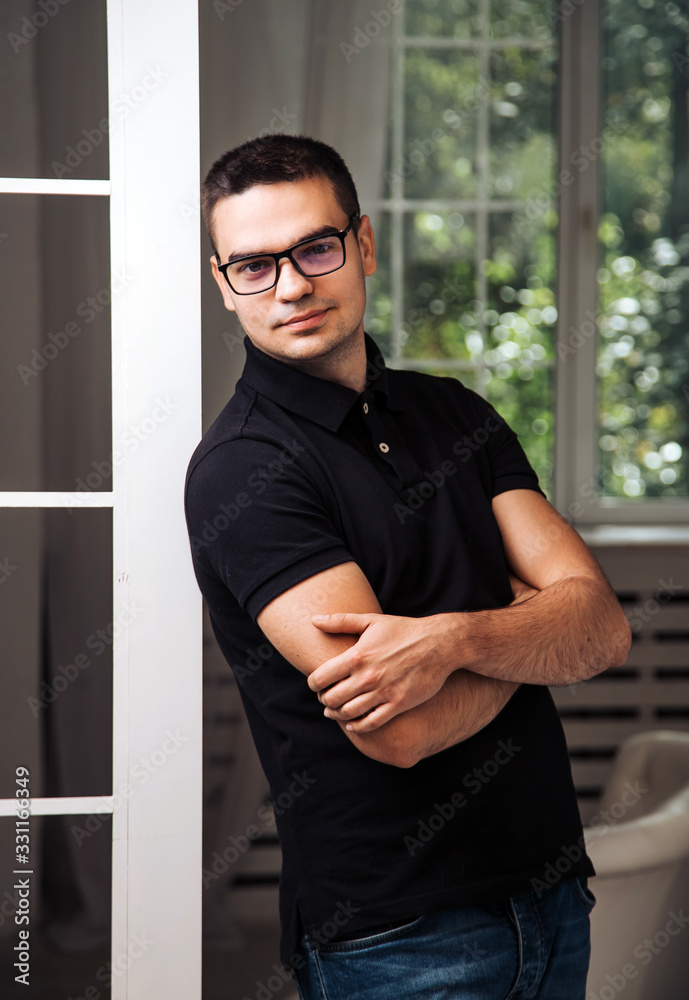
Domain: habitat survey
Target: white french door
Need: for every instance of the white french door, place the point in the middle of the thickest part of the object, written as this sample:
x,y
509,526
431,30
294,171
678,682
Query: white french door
x,y
156,356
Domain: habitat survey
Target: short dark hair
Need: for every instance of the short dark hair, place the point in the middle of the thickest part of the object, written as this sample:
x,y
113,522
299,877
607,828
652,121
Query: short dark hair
x,y
276,157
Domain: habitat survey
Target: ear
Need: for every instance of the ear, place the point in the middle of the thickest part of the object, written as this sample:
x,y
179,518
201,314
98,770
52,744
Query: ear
x,y
225,289
367,245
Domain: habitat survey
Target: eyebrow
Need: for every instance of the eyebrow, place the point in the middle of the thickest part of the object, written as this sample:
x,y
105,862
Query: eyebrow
x,y
313,234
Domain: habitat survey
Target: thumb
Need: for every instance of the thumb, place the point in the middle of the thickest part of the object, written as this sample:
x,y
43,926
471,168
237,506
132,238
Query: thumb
x,y
345,622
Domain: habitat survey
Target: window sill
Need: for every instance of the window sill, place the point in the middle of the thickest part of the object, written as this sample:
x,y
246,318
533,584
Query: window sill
x,y
634,535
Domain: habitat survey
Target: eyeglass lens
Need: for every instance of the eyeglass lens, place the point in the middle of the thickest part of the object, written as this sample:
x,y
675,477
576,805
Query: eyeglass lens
x,y
319,256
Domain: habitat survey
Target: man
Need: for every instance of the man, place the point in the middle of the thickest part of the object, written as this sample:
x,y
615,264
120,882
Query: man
x,y
366,526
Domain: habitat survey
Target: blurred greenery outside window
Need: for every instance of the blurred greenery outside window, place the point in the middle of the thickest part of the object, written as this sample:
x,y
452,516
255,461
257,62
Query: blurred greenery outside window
x,y
467,231
643,280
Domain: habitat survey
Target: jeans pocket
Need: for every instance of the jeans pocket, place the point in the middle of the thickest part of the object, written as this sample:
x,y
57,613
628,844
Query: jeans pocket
x,y
580,884
368,940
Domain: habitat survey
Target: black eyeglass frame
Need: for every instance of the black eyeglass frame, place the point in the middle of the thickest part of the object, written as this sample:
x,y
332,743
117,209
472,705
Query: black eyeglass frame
x,y
277,257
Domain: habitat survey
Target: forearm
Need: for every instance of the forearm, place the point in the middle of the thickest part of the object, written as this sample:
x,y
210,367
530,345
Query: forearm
x,y
465,704
568,632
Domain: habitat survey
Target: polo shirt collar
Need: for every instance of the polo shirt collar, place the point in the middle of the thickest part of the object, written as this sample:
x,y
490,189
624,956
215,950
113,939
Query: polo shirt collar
x,y
320,400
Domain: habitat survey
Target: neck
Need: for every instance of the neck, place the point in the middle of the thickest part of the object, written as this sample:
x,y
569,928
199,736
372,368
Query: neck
x,y
345,364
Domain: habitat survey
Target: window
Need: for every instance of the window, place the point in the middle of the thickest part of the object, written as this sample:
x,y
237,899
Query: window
x,y
522,135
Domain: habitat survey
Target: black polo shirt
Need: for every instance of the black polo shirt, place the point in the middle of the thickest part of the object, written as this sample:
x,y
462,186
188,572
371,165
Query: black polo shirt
x,y
297,475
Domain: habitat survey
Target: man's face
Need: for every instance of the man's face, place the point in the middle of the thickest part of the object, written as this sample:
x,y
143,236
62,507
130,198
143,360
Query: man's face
x,y
300,319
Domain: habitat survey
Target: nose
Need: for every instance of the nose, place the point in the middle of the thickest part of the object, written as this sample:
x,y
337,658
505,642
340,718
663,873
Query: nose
x,y
291,284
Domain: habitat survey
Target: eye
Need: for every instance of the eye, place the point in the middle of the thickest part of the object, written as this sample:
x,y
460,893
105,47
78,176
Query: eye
x,y
254,267
320,249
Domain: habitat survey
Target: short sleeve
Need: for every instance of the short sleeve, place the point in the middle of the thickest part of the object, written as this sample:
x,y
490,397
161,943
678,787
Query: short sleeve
x,y
258,523
510,469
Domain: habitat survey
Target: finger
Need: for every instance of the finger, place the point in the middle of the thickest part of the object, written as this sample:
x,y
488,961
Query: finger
x,y
354,708
342,622
378,717
348,690
330,672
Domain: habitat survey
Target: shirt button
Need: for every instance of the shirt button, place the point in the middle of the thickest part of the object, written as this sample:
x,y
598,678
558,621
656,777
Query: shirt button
x,y
365,407
384,447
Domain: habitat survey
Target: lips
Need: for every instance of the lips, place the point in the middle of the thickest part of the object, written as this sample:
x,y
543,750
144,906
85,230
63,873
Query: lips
x,y
306,320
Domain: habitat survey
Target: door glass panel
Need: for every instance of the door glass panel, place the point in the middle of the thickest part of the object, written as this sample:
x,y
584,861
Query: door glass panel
x,y
55,381
57,626
56,107
67,894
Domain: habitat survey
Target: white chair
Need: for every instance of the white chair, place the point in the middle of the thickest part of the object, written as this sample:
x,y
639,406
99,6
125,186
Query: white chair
x,y
639,845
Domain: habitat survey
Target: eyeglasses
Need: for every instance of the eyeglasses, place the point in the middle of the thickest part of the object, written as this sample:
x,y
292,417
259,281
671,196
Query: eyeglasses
x,y
321,255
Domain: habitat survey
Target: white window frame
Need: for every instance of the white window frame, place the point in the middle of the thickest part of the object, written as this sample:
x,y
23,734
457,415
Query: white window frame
x,y
156,352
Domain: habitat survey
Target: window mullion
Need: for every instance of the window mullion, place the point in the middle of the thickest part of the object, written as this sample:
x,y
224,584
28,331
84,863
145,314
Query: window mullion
x,y
52,185
579,190
397,192
482,216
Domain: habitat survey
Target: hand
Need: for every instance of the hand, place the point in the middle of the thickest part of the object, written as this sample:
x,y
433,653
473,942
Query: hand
x,y
396,664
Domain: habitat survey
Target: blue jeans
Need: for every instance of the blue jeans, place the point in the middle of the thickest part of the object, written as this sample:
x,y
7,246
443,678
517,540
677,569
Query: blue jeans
x,y
521,948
